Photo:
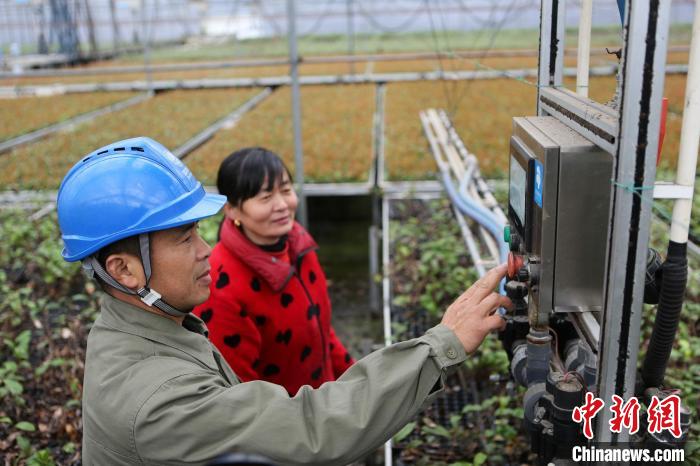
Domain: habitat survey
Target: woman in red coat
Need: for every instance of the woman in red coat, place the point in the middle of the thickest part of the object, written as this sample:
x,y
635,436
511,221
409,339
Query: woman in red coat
x,y
268,312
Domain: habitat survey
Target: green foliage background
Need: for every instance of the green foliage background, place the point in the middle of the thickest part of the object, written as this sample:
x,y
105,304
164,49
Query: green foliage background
x,y
47,307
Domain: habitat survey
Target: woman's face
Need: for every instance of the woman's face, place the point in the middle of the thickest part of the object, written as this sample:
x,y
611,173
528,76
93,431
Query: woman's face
x,y
268,215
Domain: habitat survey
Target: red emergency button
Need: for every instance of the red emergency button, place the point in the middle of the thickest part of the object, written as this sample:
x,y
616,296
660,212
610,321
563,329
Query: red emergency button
x,y
514,263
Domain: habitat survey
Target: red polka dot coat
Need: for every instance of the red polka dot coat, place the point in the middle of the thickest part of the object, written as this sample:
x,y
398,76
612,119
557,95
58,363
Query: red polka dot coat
x,y
269,313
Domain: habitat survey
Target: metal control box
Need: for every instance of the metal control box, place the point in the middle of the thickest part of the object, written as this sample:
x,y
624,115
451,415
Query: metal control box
x,y
559,203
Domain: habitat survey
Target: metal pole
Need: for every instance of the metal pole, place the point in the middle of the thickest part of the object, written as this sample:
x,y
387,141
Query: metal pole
x,y
634,171
94,50
351,34
296,113
146,31
115,27
584,47
374,232
386,299
551,59
690,137
377,181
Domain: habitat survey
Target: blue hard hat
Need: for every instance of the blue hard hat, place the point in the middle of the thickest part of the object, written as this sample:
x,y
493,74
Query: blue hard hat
x,y
126,188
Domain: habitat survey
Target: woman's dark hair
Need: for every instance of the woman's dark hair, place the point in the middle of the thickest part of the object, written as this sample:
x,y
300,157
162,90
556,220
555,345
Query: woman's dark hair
x,y
242,174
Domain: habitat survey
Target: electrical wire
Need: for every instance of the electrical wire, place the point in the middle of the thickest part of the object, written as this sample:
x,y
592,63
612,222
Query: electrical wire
x,y
577,376
233,12
447,87
454,100
318,21
268,18
656,205
454,85
555,350
485,24
494,36
155,13
320,18
461,91
412,16
436,44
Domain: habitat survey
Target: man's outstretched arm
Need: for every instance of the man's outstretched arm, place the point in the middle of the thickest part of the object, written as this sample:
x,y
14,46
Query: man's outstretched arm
x,y
194,417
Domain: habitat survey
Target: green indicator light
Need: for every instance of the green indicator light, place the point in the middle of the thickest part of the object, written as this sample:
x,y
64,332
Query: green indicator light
x,y
506,234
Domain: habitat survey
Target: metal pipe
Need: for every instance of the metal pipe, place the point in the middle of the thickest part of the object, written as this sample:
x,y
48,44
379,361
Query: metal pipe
x,y
634,167
584,47
551,52
378,138
373,266
386,300
470,242
296,113
465,205
449,152
147,30
247,63
351,33
311,80
690,135
376,180
484,195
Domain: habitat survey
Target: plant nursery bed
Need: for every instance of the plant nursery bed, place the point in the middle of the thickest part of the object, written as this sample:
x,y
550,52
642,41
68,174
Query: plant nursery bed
x,y
476,415
169,118
336,134
26,114
482,113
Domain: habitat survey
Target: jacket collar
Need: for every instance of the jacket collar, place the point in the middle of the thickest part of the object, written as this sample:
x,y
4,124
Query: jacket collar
x,y
190,337
268,265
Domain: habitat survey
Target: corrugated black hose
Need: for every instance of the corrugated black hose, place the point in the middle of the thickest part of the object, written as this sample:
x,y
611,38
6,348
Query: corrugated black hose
x,y
675,276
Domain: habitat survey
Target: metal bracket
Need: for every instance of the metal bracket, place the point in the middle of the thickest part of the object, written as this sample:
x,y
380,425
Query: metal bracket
x,y
595,121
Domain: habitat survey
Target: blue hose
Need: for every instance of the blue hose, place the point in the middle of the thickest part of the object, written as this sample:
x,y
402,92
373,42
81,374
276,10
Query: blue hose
x,y
480,215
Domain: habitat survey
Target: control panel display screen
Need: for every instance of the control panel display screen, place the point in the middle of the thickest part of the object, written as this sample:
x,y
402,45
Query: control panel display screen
x,y
518,184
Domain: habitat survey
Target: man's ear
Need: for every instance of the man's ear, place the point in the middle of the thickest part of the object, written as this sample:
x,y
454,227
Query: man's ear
x,y
125,269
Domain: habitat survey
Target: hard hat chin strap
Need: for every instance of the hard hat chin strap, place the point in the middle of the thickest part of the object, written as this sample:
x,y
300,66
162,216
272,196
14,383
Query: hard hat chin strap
x,y
150,297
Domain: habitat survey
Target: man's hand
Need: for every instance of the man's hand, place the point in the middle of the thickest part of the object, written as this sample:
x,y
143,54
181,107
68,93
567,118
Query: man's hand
x,y
472,316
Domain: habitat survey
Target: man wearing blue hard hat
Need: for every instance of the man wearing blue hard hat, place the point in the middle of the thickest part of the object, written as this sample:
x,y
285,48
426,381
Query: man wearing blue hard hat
x,y
157,392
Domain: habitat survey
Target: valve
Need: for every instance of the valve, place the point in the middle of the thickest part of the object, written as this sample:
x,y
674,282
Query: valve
x,y
515,263
512,238
516,290
523,275
515,242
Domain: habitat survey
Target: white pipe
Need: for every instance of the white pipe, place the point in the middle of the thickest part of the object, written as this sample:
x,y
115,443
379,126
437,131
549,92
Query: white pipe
x,y
584,48
301,214
386,298
690,137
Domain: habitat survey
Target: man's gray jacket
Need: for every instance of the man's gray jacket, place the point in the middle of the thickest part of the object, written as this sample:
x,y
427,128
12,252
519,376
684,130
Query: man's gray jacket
x,y
156,392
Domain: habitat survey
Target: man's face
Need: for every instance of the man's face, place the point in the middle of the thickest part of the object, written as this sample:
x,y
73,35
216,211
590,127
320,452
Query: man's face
x,y
180,266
